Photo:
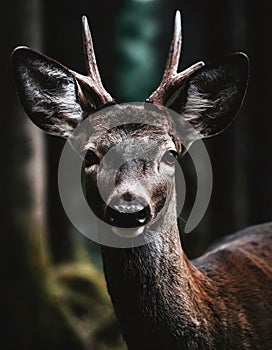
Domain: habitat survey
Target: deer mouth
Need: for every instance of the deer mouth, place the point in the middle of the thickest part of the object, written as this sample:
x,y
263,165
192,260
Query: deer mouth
x,y
128,232
127,218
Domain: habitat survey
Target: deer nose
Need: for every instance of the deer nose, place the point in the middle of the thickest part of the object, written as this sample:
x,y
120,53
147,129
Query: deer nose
x,y
128,213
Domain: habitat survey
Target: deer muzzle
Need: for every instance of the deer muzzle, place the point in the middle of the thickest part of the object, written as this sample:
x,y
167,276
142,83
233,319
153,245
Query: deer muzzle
x,y
129,214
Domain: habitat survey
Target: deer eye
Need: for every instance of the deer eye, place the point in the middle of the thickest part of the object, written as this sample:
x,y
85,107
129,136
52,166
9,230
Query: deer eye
x,y
170,157
91,158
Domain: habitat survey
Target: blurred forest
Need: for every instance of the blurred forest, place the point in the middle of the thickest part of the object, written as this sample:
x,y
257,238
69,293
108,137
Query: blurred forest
x,y
52,291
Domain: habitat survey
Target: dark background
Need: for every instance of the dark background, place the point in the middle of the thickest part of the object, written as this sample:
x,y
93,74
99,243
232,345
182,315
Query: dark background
x,y
46,267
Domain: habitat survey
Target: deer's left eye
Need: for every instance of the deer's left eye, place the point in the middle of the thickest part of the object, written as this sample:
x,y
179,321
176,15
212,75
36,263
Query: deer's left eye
x,y
170,157
91,158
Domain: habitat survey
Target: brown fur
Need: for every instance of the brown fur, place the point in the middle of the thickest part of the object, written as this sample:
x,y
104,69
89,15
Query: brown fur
x,y
222,300
219,301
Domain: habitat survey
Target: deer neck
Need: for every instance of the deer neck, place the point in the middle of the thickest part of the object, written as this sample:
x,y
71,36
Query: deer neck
x,y
158,295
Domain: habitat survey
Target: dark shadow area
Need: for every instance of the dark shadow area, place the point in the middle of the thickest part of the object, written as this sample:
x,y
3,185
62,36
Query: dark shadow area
x,y
53,294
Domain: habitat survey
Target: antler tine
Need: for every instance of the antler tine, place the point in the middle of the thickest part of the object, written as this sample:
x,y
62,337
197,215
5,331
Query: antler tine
x,y
171,79
90,59
175,49
93,80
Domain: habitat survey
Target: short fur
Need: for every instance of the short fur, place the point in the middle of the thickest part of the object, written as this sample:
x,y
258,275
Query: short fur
x,y
221,300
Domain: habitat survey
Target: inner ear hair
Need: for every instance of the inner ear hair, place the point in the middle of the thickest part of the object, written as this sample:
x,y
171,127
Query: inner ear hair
x,y
210,98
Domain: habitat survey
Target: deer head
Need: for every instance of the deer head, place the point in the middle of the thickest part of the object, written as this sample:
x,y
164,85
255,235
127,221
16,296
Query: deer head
x,y
58,99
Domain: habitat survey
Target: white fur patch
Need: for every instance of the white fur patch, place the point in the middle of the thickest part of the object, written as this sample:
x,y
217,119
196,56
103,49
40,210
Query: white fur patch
x,y
128,232
196,105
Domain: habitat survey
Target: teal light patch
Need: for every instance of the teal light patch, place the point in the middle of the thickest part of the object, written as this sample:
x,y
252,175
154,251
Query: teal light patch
x,y
137,33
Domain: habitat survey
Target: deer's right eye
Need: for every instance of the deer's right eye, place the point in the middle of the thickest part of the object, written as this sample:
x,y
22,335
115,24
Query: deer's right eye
x,y
91,158
170,157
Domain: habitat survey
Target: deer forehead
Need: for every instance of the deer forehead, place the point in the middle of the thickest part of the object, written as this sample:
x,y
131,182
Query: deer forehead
x,y
128,128
130,141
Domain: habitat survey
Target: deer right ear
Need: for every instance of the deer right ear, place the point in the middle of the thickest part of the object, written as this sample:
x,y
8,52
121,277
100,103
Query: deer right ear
x,y
49,92
211,96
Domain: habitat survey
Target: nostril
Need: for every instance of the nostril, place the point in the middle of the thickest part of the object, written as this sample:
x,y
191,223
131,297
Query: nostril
x,y
143,215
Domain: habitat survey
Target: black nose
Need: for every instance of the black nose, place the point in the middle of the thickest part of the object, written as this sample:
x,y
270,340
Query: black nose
x,y
128,213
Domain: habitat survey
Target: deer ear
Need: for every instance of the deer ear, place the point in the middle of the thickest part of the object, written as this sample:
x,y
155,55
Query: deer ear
x,y
48,92
211,97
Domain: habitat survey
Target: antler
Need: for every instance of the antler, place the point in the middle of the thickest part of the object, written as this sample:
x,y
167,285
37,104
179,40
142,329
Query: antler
x,y
93,80
171,79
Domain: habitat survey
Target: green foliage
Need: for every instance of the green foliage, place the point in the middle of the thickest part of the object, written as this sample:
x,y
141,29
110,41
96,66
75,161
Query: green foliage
x,y
79,290
51,306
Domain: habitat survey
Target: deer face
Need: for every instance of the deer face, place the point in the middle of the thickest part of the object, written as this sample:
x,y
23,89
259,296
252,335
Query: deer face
x,y
128,169
130,150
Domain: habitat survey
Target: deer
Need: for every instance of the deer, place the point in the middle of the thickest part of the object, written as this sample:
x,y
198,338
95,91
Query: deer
x,y
162,300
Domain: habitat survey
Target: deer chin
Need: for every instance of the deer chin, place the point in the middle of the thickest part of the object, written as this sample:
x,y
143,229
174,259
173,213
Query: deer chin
x,y
128,232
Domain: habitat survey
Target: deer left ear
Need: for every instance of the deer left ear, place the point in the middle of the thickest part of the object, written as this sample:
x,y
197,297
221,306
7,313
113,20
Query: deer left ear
x,y
48,92
211,97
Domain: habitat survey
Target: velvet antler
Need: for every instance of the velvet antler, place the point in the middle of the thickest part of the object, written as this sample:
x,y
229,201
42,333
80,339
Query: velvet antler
x,y
171,80
93,80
